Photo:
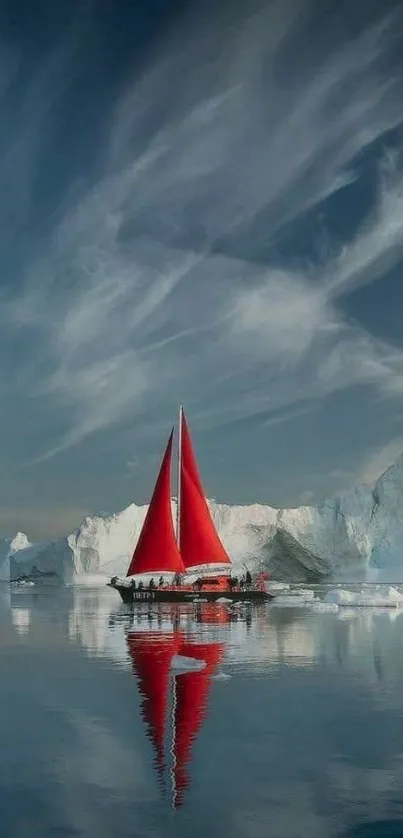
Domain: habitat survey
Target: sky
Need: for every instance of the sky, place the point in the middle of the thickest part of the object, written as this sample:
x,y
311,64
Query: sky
x,y
201,204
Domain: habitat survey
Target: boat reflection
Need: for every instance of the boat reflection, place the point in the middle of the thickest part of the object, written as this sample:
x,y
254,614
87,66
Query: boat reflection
x,y
167,661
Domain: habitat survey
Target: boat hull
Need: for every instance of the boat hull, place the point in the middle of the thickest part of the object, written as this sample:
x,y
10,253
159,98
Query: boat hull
x,y
131,597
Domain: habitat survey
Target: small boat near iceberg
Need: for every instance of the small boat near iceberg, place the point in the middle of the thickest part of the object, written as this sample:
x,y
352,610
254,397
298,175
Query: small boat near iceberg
x,y
191,555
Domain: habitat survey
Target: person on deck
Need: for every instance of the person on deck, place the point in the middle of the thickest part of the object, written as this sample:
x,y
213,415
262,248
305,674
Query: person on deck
x,y
141,586
177,579
151,584
160,581
248,579
133,584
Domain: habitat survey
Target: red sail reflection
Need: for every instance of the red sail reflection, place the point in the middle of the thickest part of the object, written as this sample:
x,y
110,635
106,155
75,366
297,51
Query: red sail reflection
x,y
190,706
152,652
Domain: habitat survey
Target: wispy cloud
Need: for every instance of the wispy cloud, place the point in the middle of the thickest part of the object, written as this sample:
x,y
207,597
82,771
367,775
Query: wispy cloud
x,y
378,246
152,286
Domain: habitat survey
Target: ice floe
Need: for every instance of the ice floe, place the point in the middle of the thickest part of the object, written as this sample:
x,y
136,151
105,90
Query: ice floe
x,y
294,599
380,597
182,663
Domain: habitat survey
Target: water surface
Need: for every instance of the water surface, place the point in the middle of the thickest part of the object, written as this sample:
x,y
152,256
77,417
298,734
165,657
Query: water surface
x,y
293,728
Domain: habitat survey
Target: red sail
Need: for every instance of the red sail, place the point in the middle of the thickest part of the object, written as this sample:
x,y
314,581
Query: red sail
x,y
191,695
156,550
198,538
152,653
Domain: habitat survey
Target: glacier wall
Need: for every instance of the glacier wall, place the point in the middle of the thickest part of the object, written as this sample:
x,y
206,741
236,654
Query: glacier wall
x,y
352,536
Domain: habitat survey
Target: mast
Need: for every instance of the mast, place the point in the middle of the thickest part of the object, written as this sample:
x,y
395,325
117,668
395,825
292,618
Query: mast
x,y
178,503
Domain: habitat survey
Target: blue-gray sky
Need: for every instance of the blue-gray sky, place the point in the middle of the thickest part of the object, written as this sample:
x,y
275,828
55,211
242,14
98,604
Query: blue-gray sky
x,y
200,203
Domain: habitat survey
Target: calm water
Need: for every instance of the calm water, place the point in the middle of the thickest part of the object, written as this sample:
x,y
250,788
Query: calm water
x,y
304,738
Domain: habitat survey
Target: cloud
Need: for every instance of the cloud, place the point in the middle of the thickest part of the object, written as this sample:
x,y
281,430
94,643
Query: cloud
x,y
378,246
152,288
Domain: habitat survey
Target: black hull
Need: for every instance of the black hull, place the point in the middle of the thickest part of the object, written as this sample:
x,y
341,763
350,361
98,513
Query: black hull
x,y
131,597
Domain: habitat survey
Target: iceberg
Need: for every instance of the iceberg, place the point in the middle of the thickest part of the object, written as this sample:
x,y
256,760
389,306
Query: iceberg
x,y
351,537
8,548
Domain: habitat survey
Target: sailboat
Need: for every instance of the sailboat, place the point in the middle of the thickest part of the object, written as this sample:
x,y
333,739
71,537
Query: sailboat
x,y
191,554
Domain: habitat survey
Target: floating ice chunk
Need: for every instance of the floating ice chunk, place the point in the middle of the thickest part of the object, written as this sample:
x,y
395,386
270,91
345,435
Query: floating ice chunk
x,y
305,594
181,663
324,607
289,602
23,583
294,599
387,597
221,676
279,586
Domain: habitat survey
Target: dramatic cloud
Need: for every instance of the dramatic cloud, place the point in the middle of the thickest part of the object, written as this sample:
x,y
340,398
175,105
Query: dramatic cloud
x,y
163,278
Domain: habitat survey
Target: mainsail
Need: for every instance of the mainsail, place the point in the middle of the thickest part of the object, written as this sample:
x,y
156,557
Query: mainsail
x,y
198,539
156,550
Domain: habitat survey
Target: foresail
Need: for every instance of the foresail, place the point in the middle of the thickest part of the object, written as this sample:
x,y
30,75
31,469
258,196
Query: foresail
x,y
199,540
157,550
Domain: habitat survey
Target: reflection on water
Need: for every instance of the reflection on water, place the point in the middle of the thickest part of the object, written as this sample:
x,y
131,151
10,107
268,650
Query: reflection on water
x,y
152,653
294,726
